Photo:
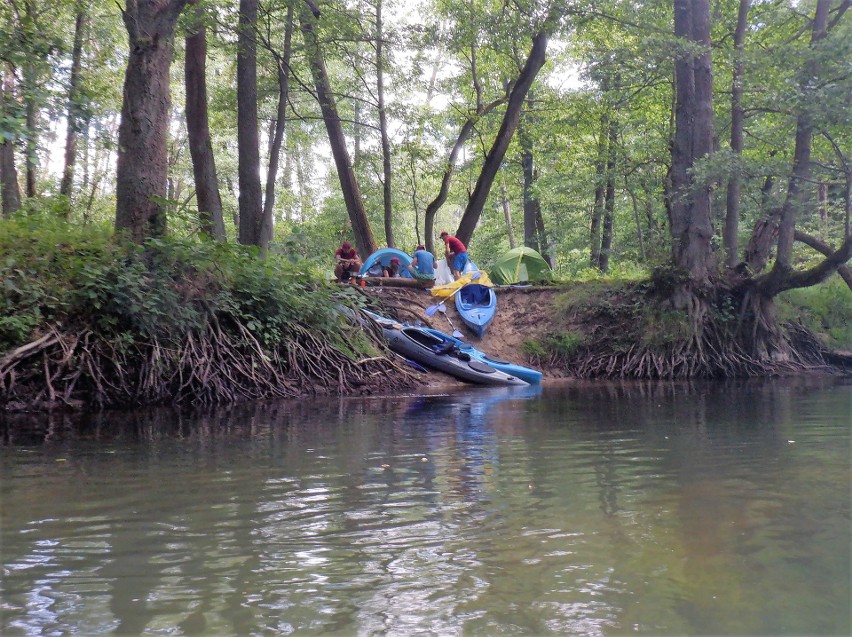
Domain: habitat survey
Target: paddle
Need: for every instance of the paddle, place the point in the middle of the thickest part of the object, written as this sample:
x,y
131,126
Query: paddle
x,y
456,333
440,307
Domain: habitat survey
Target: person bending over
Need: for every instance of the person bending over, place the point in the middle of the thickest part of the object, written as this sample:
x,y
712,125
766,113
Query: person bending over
x,y
422,264
347,262
456,253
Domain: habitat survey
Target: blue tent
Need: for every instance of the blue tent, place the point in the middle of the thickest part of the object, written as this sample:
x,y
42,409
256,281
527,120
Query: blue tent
x,y
384,256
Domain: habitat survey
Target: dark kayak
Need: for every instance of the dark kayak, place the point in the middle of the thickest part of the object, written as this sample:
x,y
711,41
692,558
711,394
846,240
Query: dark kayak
x,y
526,374
439,351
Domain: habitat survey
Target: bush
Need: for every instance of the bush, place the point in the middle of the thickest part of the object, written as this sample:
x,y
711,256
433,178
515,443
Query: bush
x,y
825,310
57,273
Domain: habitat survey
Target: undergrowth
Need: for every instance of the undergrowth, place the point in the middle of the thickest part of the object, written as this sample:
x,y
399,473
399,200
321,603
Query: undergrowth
x,y
149,317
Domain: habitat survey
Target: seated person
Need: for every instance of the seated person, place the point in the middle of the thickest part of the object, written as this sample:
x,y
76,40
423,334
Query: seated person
x,y
393,268
422,264
347,262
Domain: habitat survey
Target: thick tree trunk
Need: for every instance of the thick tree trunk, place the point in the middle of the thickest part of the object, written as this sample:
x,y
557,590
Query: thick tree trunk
x,y
31,81
689,208
348,183
248,142
141,169
11,190
210,218
280,122
504,136
383,129
73,112
732,208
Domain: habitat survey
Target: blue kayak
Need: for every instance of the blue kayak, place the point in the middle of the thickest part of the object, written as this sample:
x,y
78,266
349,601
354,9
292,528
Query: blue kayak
x,y
526,374
477,305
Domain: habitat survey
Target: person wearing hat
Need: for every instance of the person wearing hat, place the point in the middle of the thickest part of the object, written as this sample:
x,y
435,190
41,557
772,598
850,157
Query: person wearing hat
x,y
393,268
347,262
422,264
456,253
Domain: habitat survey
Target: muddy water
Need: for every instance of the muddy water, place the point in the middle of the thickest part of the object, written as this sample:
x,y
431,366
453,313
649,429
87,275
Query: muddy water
x,y
573,509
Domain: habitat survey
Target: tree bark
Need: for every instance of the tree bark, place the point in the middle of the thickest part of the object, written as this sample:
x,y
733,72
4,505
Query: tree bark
x,y
248,142
689,209
210,218
363,234
600,194
507,213
826,250
495,155
280,122
11,195
609,206
383,128
73,112
732,208
141,168
528,168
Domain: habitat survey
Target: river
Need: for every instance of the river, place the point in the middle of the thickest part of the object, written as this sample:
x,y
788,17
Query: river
x,y
569,509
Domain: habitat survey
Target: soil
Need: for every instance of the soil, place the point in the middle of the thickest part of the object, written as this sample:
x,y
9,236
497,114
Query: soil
x,y
522,313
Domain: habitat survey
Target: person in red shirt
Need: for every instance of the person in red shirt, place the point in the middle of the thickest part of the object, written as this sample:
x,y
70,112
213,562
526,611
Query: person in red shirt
x,y
456,253
347,262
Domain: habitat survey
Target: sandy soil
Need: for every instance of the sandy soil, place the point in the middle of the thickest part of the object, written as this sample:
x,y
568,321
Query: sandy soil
x,y
522,313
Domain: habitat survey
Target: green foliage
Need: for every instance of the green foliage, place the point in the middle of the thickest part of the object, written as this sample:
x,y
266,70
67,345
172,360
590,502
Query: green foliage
x,y
54,273
659,328
555,346
825,310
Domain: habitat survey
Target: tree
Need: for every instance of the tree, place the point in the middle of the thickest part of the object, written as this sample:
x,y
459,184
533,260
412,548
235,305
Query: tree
x,y
689,205
533,65
348,183
8,170
251,230
142,164
211,222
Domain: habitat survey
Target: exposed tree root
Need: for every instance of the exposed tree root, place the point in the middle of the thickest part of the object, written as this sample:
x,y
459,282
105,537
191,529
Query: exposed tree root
x,y
753,346
64,368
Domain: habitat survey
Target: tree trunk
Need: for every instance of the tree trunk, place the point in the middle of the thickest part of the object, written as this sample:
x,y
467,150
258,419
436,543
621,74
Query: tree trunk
x,y
504,136
383,128
689,208
443,191
73,113
248,142
348,183
782,277
30,81
507,213
600,194
210,218
802,154
141,168
732,208
531,203
609,206
11,197
280,123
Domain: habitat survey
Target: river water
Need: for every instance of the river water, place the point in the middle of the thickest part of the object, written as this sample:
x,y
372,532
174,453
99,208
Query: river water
x,y
569,509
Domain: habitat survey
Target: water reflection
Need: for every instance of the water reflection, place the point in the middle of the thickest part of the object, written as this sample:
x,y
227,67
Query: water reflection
x,y
579,508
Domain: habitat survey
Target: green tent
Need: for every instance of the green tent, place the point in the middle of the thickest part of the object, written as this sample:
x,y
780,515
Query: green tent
x,y
521,264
